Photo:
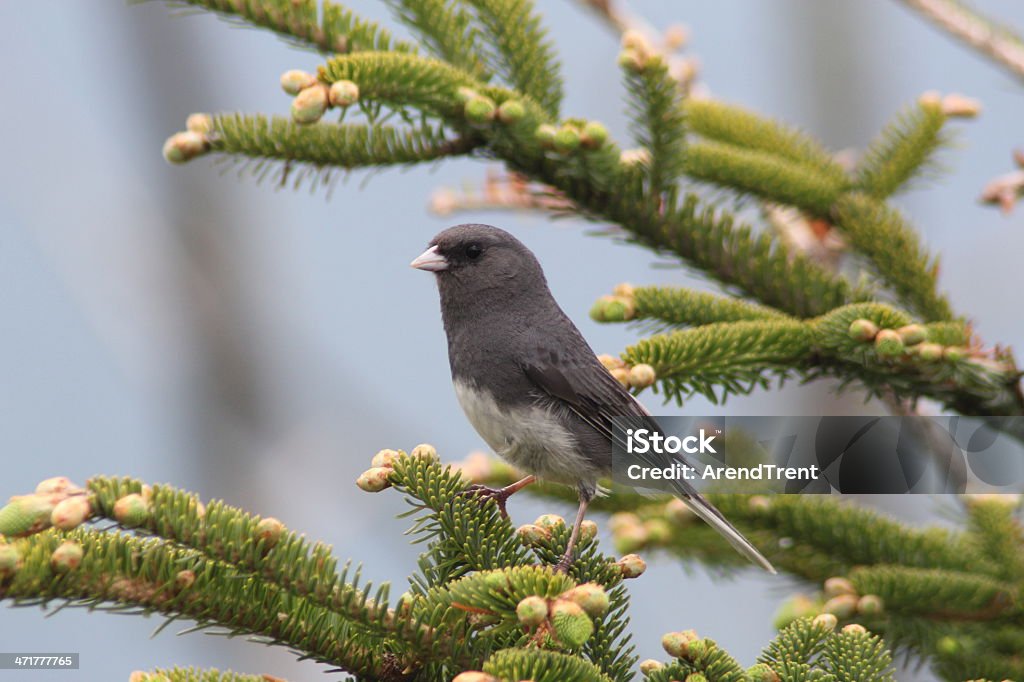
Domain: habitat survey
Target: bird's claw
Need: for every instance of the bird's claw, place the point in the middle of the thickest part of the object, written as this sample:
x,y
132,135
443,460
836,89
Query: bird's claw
x,y
484,493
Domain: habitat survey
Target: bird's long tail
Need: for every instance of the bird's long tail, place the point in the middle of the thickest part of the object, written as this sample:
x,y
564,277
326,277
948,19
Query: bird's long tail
x,y
714,518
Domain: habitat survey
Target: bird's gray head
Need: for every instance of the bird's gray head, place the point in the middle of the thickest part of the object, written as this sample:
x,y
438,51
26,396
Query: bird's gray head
x,y
482,262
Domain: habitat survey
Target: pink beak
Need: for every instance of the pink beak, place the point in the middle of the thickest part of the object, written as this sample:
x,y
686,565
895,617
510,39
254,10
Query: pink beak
x,y
430,260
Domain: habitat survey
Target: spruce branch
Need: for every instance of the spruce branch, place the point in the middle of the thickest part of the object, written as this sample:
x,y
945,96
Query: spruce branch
x,y
198,675
881,234
321,25
730,124
447,30
902,150
525,57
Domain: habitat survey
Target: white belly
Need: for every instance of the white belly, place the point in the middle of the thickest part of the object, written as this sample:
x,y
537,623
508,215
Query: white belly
x,y
529,438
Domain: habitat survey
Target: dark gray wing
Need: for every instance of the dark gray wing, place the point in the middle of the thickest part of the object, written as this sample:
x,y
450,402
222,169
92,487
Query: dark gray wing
x,y
595,396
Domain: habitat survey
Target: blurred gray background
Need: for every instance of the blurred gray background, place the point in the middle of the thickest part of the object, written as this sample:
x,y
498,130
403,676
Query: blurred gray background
x,y
183,325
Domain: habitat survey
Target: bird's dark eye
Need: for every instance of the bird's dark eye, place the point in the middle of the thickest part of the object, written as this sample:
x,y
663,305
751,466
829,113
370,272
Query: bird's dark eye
x,y
473,251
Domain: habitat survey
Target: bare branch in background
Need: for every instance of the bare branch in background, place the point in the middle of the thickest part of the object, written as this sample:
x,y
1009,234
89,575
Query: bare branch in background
x,y
990,38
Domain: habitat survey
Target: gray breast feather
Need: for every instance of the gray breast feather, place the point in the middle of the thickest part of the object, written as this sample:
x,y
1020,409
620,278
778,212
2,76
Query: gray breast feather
x,y
532,438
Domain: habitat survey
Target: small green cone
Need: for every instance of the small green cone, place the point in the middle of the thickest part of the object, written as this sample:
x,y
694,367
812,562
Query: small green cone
x,y
25,515
532,611
480,110
842,606
761,672
343,94
131,511
837,585
571,624
649,666
309,105
71,512
912,334
511,112
375,479
269,531
67,557
677,644
863,330
532,535
826,621
550,521
594,135
591,597
870,605
567,139
631,566
295,81
10,560
545,135
888,343
929,352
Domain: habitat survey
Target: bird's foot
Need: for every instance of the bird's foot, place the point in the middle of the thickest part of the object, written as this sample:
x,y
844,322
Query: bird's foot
x,y
484,493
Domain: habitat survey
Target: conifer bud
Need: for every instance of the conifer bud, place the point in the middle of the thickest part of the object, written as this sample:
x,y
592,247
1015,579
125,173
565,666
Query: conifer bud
x,y
762,672
511,112
930,352
532,611
631,566
374,479
930,98
678,513
588,530
426,452
611,362
550,522
698,648
71,512
594,135
571,624
199,123
649,665
836,586
618,308
545,135
385,458
954,353
591,597
343,93
642,376
630,538
182,147
309,105
295,81
677,644
622,376
676,36
621,520
57,484
532,535
888,343
185,579
633,157
863,330
25,515
854,629
959,106
10,560
912,334
624,289
826,621
567,139
870,605
759,503
131,511
696,677
479,110
67,557
269,530
841,606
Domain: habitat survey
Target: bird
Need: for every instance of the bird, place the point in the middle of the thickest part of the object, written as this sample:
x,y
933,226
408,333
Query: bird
x,y
528,381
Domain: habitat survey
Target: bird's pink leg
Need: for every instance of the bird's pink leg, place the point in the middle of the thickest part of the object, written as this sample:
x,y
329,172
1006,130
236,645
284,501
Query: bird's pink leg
x,y
563,565
499,495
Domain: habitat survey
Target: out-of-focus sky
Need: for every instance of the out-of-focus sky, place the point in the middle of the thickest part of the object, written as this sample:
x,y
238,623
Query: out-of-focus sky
x,y
258,344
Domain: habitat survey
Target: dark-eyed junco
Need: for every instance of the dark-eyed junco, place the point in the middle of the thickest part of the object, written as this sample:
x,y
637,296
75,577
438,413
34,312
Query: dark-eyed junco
x,y
526,378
